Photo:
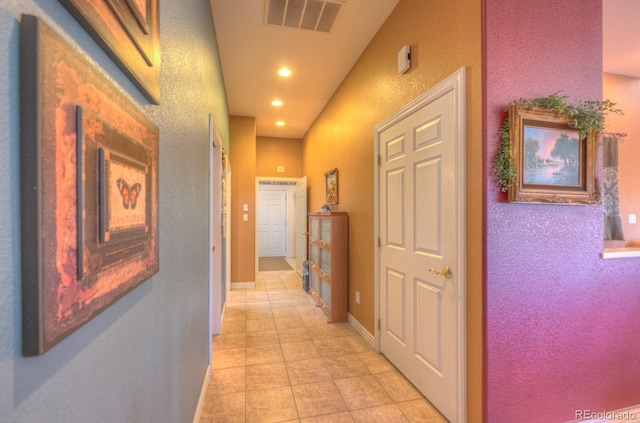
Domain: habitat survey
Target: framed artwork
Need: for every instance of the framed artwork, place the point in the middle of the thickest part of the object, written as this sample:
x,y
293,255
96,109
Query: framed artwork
x,y
331,186
89,180
552,163
127,30
114,195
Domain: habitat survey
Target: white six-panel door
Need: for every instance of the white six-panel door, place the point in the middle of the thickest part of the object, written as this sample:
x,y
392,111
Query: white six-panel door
x,y
420,259
272,228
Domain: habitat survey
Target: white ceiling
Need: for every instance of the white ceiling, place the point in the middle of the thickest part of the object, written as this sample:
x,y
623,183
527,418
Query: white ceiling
x,y
252,52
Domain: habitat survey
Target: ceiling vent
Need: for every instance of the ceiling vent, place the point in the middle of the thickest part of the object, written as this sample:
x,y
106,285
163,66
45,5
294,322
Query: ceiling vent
x,y
313,15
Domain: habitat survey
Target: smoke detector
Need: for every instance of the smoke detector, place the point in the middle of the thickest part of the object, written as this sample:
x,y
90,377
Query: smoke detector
x,y
313,15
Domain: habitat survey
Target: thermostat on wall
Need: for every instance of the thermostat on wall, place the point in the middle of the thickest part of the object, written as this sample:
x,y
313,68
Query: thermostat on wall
x,y
404,59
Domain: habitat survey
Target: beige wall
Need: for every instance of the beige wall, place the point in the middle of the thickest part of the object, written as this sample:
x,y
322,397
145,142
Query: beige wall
x,y
274,152
444,37
625,92
242,136
251,157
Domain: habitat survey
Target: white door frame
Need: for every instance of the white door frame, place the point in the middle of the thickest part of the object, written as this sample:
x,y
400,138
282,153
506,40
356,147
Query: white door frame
x,y
215,233
291,190
227,242
457,83
301,229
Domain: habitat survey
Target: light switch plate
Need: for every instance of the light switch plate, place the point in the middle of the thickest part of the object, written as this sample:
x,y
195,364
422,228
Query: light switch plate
x,y
245,217
245,207
632,219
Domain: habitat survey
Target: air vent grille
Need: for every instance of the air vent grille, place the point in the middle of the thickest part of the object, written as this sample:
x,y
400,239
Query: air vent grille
x,y
313,15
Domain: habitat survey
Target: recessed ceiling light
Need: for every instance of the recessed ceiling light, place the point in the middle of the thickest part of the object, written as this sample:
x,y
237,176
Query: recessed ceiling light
x,y
280,123
277,103
284,72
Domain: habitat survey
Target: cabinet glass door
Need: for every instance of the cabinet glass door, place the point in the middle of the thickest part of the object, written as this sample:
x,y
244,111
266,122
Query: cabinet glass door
x,y
314,254
313,280
325,263
313,223
325,228
325,293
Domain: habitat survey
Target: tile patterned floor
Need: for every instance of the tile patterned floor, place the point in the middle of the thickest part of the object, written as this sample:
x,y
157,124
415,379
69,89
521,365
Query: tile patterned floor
x,y
277,360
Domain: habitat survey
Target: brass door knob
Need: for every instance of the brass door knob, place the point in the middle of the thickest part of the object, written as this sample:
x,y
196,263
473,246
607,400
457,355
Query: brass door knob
x,y
446,272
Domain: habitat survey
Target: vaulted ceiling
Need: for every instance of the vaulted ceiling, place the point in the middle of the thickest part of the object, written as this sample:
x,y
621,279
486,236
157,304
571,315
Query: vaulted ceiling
x,y
252,51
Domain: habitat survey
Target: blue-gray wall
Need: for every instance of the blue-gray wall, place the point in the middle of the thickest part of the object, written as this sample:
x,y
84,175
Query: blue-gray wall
x,y
145,357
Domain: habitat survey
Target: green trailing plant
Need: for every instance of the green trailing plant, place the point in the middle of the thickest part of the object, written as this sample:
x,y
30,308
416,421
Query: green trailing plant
x,y
503,161
585,116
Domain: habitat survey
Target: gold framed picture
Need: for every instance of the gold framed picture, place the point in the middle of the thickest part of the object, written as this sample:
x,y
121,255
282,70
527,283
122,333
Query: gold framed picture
x,y
331,186
552,163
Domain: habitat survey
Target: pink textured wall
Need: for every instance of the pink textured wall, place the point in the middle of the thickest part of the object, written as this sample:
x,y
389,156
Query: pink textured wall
x,y
562,325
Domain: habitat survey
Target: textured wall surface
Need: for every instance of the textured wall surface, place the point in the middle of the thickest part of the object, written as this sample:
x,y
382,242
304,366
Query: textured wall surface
x,y
561,323
274,152
243,191
444,37
144,358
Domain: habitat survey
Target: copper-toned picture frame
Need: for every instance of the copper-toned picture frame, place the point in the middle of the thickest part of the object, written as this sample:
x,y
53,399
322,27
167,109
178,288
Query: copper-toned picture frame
x,y
552,163
87,153
331,186
127,30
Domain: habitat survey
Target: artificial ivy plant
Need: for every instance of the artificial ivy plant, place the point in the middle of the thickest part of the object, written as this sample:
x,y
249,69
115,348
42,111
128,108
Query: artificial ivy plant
x,y
585,116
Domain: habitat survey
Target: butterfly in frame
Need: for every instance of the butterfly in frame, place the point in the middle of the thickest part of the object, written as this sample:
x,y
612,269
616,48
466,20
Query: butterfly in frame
x,y
128,193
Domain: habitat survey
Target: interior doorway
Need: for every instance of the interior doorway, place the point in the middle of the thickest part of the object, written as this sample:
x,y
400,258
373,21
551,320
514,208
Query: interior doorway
x,y
217,288
278,215
272,222
420,262
302,233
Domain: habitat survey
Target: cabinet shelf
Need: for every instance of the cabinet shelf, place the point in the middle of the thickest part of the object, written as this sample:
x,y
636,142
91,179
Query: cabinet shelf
x,y
328,263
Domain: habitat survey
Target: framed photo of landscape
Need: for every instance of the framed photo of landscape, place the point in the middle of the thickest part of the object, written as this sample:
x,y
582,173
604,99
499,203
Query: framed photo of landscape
x,y
552,163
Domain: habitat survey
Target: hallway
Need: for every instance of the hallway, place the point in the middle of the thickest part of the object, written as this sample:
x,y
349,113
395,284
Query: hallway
x,y
277,360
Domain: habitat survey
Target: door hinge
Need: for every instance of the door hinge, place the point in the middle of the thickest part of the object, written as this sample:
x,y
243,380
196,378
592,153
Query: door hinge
x,y
379,159
379,242
378,324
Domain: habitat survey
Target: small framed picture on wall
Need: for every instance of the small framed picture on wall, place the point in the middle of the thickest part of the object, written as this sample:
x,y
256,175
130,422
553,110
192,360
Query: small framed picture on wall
x,y
331,184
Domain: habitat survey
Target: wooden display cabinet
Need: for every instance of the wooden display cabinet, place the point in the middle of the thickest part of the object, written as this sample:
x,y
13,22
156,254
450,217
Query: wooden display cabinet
x,y
329,263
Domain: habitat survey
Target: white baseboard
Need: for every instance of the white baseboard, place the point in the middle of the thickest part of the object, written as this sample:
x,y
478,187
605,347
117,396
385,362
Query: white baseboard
x,y
242,285
371,340
203,394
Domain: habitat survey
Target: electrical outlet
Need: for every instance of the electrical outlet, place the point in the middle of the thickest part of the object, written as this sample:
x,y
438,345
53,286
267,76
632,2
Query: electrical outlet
x,y
245,217
357,297
632,219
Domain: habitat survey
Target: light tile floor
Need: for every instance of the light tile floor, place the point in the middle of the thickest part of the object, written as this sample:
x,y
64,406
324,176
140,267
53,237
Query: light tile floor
x,y
278,360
